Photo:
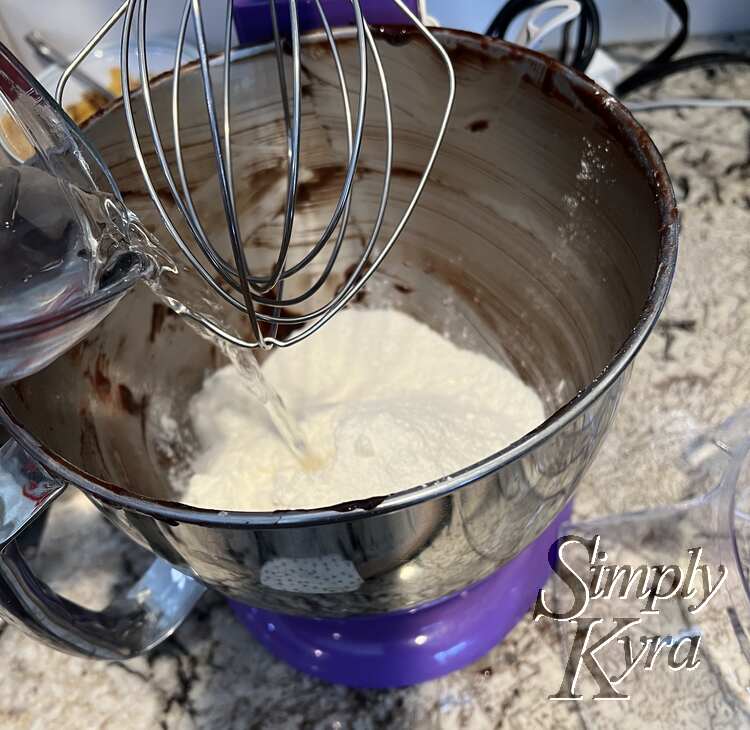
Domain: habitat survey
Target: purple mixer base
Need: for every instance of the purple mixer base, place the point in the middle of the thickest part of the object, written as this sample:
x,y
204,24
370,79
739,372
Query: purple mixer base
x,y
252,18
408,647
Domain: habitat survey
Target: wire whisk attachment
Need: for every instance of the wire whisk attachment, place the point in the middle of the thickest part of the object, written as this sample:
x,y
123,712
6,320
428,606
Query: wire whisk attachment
x,y
276,319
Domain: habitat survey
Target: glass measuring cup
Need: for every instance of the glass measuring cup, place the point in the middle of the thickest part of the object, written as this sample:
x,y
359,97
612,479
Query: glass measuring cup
x,y
64,264
695,667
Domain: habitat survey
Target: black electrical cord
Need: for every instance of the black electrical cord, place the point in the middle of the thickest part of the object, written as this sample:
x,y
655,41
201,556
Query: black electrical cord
x,y
587,41
588,35
699,60
589,24
664,64
647,73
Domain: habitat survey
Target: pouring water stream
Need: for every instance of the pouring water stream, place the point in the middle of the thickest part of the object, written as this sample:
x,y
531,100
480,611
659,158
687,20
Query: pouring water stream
x,y
241,358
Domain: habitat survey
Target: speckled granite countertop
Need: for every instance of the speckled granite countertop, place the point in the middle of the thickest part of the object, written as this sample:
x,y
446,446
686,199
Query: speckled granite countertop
x,y
694,370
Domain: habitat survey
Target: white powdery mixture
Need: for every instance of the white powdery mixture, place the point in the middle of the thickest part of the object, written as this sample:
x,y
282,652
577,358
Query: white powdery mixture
x,y
385,403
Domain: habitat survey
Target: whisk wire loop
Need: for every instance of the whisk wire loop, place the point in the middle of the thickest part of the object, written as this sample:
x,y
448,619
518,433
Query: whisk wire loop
x,y
261,295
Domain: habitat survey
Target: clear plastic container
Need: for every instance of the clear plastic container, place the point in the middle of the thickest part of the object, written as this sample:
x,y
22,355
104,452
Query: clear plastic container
x,y
688,642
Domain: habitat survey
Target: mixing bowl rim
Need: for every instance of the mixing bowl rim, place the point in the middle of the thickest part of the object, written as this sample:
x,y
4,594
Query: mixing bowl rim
x,y
648,159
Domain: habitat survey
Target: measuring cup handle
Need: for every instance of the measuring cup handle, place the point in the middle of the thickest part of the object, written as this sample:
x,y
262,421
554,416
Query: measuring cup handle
x,y
133,623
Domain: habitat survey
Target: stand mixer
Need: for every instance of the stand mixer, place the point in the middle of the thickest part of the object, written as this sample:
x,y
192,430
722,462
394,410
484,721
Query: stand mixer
x,y
565,294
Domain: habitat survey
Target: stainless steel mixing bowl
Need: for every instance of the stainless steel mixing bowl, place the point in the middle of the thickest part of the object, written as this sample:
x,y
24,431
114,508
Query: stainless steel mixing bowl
x,y
550,225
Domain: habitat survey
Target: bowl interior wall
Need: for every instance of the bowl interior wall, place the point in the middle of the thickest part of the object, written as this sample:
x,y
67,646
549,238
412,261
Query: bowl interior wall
x,y
536,239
